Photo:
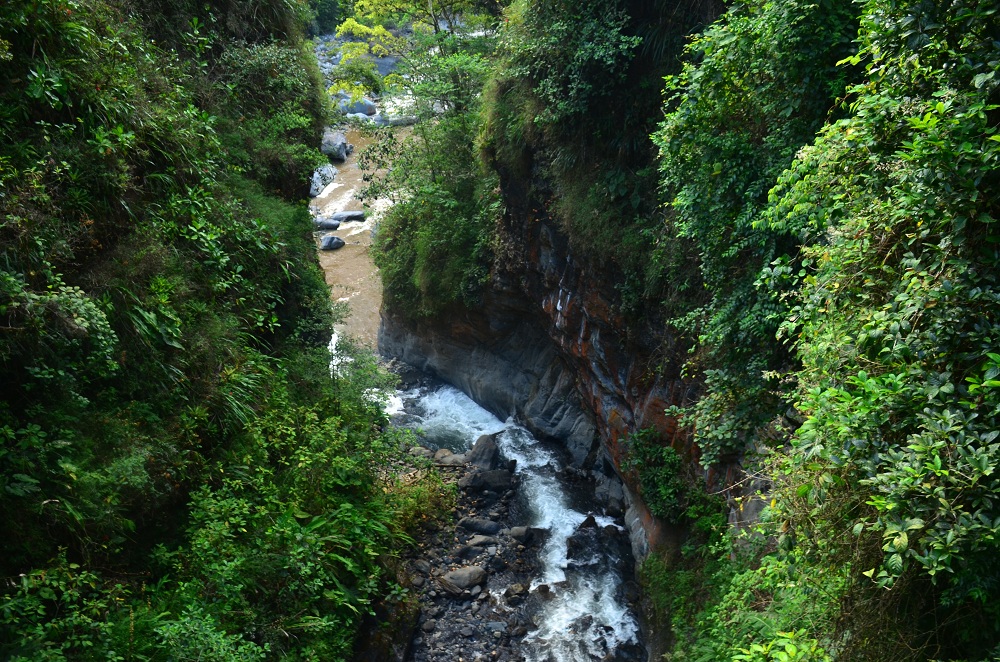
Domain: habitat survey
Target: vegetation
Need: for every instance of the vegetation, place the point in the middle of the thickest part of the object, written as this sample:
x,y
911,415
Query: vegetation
x,y
809,206
434,246
181,477
883,511
816,222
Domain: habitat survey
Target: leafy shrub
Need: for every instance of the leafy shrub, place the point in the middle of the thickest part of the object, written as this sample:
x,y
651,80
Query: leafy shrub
x,y
757,86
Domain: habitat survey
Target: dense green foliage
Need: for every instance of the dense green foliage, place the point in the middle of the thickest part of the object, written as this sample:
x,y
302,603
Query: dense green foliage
x,y
819,227
885,504
762,86
433,247
181,477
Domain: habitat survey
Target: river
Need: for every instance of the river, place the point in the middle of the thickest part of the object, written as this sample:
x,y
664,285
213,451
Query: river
x,y
581,570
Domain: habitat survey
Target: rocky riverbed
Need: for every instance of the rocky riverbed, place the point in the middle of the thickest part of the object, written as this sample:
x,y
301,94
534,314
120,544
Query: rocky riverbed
x,y
518,572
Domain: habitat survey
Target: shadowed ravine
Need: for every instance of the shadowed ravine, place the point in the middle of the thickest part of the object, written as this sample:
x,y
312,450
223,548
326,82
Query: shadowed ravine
x,y
579,588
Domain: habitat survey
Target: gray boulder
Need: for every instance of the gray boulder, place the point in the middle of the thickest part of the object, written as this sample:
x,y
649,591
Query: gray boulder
x,y
496,480
326,224
453,460
358,116
322,177
462,578
528,535
481,540
362,106
335,144
485,453
331,242
348,216
479,525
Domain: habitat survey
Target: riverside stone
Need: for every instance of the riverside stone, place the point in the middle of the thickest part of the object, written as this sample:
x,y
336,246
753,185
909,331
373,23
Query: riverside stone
x,y
479,525
348,216
335,144
497,480
481,540
321,178
331,242
462,578
361,106
326,224
455,460
485,453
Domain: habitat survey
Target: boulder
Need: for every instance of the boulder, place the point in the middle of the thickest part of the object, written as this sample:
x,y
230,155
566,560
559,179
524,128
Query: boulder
x,y
326,224
481,541
348,216
528,535
362,106
403,120
479,525
335,144
455,460
497,480
442,453
358,116
331,242
485,453
515,593
461,579
322,177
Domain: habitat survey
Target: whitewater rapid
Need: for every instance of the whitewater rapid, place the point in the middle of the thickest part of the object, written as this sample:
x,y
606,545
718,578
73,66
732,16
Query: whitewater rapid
x,y
584,619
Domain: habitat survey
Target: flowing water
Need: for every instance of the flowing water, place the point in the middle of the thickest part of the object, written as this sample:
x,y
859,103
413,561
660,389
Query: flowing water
x,y
586,617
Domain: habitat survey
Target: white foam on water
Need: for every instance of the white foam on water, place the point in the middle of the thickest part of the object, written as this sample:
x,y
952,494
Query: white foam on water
x,y
394,405
337,358
584,619
447,413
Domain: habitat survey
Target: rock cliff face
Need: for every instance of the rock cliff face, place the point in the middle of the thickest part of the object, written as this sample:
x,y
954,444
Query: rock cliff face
x,y
547,347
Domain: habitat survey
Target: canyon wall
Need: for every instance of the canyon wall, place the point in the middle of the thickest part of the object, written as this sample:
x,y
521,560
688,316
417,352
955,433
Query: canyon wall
x,y
546,346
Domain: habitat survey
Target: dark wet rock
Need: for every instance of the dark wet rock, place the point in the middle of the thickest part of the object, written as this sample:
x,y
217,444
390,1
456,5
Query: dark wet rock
x,y
515,594
485,453
497,480
428,625
528,535
422,565
331,242
326,224
468,552
479,525
348,216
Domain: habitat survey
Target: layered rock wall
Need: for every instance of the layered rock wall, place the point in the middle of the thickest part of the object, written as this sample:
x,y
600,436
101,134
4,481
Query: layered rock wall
x,y
547,346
